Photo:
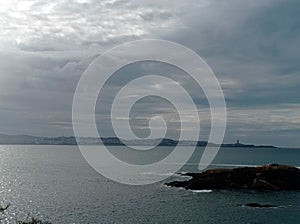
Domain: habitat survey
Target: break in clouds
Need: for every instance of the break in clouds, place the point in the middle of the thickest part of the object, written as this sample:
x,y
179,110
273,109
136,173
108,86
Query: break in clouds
x,y
252,46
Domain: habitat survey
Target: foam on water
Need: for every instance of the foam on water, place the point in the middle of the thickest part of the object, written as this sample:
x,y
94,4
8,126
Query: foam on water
x,y
201,191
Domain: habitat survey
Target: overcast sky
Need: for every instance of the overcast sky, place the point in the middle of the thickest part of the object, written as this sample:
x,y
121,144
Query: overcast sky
x,y
252,46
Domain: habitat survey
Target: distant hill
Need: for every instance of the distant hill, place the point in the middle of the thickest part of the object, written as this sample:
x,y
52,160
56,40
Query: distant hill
x,y
71,140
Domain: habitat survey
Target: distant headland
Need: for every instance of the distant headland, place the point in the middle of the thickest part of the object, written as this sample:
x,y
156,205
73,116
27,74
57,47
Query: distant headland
x,y
71,140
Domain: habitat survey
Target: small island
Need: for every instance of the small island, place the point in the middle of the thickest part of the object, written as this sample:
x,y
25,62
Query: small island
x,y
272,177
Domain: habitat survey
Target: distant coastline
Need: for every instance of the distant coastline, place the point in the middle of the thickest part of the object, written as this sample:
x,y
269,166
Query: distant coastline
x,y
71,140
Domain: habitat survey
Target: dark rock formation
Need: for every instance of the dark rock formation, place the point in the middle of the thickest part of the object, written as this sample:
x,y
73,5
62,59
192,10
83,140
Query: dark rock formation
x,y
267,177
256,205
2,209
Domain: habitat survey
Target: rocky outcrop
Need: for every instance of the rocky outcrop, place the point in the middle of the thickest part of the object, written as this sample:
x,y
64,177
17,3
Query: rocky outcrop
x,y
268,177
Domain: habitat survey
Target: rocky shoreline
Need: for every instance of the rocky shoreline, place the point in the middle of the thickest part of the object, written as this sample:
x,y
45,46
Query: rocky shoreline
x,y
271,177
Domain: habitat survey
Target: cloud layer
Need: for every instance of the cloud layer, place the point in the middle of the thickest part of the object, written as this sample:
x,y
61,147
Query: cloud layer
x,y
252,46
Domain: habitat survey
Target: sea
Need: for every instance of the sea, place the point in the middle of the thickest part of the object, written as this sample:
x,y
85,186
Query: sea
x,y
56,184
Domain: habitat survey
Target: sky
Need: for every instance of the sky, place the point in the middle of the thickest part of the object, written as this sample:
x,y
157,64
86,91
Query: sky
x,y
252,47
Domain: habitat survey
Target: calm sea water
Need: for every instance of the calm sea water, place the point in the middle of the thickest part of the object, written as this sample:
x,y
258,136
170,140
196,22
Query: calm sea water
x,y
56,184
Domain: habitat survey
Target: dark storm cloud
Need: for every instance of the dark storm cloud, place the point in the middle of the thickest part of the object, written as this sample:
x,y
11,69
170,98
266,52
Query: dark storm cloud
x,y
253,45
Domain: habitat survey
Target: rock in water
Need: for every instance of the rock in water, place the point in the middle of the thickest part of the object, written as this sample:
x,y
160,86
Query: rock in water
x,y
2,209
267,177
256,205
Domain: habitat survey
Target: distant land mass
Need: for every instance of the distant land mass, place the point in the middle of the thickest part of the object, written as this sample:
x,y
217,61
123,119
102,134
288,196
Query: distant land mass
x,y
71,140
